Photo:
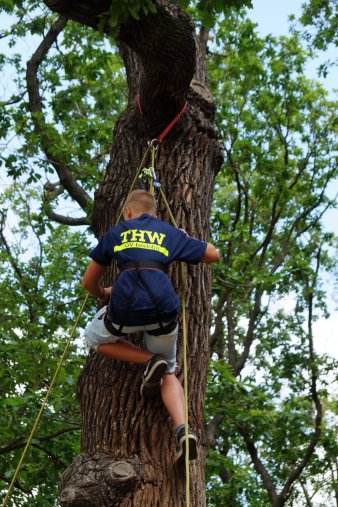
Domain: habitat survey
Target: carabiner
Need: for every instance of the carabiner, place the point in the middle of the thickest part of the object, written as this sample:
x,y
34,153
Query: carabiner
x,y
157,184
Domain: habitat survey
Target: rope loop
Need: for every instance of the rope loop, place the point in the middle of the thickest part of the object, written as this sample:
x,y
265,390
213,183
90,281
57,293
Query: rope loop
x,y
173,122
153,143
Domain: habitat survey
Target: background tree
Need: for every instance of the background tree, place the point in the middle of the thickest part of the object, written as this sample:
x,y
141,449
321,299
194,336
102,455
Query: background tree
x,y
278,129
39,300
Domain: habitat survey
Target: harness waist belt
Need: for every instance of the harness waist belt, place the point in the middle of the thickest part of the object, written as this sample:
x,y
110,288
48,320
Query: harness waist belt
x,y
166,329
143,265
112,329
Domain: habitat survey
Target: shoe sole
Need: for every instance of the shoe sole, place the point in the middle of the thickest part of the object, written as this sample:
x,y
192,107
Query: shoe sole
x,y
152,382
192,448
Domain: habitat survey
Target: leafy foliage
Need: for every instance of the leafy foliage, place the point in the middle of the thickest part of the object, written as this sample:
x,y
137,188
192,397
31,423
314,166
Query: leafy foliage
x,y
279,131
319,22
40,301
208,12
119,12
82,93
322,16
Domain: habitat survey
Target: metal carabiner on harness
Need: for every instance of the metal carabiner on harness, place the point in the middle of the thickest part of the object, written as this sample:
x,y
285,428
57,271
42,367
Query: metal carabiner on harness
x,y
157,184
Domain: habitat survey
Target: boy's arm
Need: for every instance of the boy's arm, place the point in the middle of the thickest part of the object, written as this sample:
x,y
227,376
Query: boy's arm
x,y
211,254
91,280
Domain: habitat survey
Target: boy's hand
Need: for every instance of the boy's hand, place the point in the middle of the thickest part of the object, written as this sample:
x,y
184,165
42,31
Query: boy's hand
x,y
102,301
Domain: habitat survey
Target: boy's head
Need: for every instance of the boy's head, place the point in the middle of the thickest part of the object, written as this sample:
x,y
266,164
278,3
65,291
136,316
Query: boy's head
x,y
139,202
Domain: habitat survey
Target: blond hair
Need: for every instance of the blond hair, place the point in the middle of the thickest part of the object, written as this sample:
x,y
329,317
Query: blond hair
x,y
141,201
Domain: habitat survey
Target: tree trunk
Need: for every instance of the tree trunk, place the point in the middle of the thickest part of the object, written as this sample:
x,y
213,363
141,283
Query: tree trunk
x,y
128,449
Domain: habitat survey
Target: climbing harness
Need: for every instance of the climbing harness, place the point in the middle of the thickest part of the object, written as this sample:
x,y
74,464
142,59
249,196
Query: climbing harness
x,y
158,266
150,175
139,266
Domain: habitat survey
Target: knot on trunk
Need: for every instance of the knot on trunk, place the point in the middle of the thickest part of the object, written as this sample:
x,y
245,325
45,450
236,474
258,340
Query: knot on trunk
x,y
98,480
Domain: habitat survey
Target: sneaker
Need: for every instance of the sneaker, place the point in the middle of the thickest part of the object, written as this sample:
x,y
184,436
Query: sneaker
x,y
152,375
181,443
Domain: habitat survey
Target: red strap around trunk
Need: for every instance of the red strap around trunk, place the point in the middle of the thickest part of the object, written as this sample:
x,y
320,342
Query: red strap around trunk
x,y
171,124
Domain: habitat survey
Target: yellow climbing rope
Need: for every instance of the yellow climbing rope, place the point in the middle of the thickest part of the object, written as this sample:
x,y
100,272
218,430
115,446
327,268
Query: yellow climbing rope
x,y
185,362
184,330
138,172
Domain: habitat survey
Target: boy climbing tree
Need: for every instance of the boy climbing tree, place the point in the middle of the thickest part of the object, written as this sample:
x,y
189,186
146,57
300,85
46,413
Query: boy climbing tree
x,y
143,299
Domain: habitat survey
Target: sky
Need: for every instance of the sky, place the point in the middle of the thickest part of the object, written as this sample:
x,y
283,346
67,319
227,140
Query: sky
x,y
272,15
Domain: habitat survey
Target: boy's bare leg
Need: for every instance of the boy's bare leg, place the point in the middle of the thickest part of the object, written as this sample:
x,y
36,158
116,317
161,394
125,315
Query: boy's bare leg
x,y
171,389
173,398
124,351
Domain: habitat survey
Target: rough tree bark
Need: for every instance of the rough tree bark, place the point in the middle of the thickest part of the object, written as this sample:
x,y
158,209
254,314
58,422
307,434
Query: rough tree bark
x,y
127,447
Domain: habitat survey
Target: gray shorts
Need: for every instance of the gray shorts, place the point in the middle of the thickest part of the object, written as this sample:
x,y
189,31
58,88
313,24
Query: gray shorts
x,y
97,334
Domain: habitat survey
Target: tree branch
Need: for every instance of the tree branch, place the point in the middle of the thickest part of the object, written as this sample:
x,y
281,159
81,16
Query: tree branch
x,y
14,100
217,343
66,178
306,494
211,430
56,460
249,338
12,260
20,275
232,353
314,394
16,444
275,215
61,219
17,485
87,13
51,192
267,481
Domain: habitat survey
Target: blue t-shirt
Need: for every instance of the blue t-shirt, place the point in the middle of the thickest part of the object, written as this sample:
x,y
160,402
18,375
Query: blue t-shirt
x,y
145,238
